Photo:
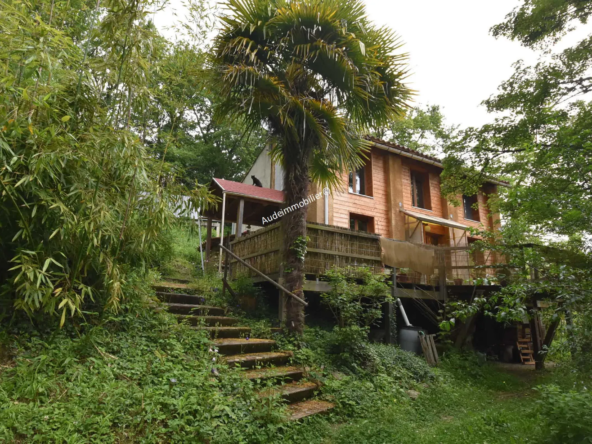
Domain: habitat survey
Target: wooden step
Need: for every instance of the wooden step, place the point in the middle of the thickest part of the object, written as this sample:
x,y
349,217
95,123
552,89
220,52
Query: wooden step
x,y
293,391
176,280
235,346
250,360
287,373
226,332
180,298
195,309
207,320
166,286
311,407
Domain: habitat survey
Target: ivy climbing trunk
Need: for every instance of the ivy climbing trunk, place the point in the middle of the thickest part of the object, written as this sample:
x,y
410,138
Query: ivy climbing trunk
x,y
296,179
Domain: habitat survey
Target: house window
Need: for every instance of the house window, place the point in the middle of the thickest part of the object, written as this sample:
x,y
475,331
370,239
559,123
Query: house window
x,y
360,181
471,207
359,222
432,239
420,190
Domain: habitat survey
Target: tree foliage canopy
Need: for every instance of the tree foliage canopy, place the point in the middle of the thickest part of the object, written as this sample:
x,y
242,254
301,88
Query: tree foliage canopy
x,y
422,129
542,140
82,200
542,143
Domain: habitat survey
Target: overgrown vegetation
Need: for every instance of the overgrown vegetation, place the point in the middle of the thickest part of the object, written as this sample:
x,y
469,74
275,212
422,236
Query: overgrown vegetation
x,y
357,296
137,376
106,131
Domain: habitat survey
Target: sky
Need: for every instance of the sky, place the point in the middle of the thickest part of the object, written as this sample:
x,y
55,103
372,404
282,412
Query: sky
x,y
453,59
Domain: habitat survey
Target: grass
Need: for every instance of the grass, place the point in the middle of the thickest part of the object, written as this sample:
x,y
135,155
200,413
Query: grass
x,y
453,412
141,377
184,260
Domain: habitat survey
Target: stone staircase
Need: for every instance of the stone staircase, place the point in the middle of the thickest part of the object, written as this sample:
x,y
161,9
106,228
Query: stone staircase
x,y
257,358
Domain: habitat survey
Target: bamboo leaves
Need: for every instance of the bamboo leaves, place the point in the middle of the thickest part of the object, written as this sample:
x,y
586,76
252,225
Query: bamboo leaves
x,y
80,204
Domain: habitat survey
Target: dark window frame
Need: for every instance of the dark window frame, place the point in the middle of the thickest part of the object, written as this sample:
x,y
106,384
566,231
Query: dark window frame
x,y
360,181
360,222
471,213
420,190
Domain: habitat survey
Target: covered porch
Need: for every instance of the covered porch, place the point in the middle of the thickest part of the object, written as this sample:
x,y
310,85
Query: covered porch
x,y
242,204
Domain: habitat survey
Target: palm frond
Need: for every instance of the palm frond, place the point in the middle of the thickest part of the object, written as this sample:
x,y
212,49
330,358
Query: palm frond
x,y
315,72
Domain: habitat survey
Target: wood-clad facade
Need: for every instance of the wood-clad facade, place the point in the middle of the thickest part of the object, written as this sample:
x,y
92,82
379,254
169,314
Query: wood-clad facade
x,y
394,180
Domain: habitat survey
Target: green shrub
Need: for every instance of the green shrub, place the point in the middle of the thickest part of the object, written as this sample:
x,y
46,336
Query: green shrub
x,y
568,414
402,364
357,296
349,350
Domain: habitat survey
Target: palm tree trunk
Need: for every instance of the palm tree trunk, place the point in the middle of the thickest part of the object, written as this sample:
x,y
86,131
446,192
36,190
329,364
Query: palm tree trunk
x,y
296,180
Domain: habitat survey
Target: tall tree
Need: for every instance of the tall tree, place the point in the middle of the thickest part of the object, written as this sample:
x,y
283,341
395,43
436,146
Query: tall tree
x,y
314,73
542,143
180,124
80,197
422,129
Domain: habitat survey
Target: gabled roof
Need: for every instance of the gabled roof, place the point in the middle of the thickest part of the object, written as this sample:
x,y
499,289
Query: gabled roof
x,y
432,160
407,152
243,189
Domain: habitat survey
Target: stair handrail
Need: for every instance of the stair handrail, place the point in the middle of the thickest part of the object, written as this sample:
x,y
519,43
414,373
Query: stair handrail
x,y
267,278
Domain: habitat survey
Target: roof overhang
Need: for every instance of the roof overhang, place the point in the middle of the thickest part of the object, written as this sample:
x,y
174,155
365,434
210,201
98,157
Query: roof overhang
x,y
406,152
258,202
435,220
249,191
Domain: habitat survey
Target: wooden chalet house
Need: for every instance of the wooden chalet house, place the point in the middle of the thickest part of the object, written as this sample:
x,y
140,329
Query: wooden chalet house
x,y
390,214
395,196
396,189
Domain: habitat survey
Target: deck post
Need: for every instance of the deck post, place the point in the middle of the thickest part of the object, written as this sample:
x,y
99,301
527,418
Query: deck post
x,y
442,275
222,229
537,340
389,335
226,266
282,298
208,239
239,218
550,336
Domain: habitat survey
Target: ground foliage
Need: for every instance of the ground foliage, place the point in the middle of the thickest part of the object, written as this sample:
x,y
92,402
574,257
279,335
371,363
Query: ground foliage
x,y
134,377
140,376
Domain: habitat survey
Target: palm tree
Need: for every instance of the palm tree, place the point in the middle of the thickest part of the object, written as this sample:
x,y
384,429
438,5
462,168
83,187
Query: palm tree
x,y
316,74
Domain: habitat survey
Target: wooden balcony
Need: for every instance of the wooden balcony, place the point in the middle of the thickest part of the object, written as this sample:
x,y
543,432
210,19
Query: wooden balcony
x,y
328,247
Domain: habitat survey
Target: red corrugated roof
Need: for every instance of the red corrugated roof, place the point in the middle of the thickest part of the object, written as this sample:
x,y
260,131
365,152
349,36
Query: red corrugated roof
x,y
250,190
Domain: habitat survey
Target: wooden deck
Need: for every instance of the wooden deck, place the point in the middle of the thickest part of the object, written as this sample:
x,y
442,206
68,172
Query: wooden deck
x,y
328,247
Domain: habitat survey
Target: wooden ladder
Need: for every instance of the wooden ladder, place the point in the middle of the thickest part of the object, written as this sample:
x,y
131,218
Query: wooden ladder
x,y
526,351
